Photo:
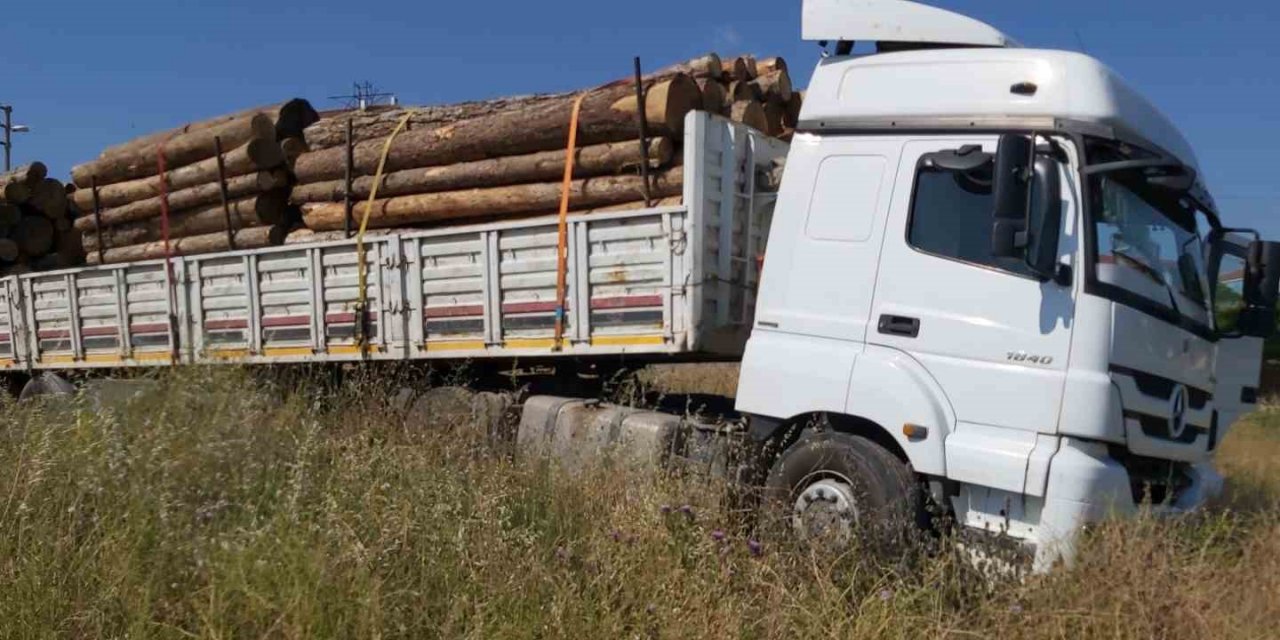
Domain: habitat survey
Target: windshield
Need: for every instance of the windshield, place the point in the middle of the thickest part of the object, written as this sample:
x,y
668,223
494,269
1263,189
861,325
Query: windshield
x,y
1151,243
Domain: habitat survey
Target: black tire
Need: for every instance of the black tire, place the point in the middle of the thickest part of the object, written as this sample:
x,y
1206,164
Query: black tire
x,y
886,498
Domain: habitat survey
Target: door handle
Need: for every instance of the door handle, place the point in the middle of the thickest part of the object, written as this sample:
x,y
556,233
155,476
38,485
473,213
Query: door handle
x,y
900,326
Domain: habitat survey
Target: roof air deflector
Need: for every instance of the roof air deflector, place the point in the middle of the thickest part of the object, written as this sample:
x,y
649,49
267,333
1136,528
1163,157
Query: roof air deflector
x,y
896,21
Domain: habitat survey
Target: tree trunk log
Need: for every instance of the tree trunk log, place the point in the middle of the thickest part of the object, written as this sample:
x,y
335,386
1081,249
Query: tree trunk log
x,y
250,212
293,148
774,115
8,250
250,238
744,90
29,174
290,119
771,65
210,192
590,161
17,192
608,114
10,214
49,197
34,235
179,151
715,98
793,110
258,155
740,69
750,113
708,66
776,86
377,123
452,205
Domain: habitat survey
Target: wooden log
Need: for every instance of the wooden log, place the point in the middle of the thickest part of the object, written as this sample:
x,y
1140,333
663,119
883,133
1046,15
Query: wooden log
x,y
776,86
49,197
9,250
10,214
293,148
377,123
34,235
714,96
750,113
744,90
258,155
180,150
291,118
70,247
250,238
472,203
771,65
17,192
29,174
262,210
738,69
199,195
608,114
707,66
303,235
595,160
774,114
793,110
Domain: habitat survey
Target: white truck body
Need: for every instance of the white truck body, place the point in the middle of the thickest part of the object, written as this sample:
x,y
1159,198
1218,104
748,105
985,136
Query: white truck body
x,y
1046,405
675,281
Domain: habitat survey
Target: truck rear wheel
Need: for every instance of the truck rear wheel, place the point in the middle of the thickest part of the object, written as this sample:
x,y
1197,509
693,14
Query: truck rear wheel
x,y
834,488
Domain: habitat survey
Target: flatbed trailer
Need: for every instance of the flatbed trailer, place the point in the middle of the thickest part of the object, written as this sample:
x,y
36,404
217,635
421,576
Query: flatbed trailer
x,y
660,282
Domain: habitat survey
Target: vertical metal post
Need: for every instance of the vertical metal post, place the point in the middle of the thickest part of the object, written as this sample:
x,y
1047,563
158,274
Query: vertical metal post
x,y
644,135
8,131
346,191
222,188
97,218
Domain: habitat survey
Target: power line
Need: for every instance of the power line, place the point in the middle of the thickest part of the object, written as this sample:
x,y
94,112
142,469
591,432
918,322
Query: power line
x,y
364,95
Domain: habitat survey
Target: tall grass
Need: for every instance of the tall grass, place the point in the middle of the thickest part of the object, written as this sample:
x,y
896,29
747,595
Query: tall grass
x,y
213,507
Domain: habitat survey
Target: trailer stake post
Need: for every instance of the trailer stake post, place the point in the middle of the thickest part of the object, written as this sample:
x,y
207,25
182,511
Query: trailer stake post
x,y
643,123
222,188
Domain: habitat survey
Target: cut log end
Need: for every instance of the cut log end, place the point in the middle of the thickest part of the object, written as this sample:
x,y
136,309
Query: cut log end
x,y
750,113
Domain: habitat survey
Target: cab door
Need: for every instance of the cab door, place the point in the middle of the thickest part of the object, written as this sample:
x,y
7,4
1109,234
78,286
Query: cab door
x,y
1238,366
995,337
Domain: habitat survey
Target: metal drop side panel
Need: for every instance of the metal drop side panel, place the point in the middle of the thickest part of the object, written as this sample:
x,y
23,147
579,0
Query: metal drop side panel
x,y
727,167
670,280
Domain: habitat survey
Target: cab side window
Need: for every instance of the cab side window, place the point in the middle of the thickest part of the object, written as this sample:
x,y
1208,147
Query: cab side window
x,y
951,217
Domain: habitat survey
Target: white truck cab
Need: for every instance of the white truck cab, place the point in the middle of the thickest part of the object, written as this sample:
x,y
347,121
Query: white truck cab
x,y
1001,266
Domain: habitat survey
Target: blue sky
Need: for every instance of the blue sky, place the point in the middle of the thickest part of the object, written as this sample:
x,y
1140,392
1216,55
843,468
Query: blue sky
x,y
84,75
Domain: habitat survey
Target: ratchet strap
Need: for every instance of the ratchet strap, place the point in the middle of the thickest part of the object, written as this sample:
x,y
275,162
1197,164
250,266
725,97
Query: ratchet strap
x,y
362,295
562,244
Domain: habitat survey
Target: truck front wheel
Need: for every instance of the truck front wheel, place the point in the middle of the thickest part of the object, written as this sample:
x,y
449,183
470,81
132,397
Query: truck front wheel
x,y
833,488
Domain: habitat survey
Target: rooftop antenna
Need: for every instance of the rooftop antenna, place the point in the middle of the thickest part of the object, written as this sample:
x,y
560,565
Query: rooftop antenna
x,y
364,95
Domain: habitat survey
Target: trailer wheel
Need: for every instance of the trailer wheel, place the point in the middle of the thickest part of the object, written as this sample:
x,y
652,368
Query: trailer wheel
x,y
46,385
833,489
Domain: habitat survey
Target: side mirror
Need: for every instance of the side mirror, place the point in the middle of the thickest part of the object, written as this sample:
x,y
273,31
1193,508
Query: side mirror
x,y
1011,184
1028,208
1261,289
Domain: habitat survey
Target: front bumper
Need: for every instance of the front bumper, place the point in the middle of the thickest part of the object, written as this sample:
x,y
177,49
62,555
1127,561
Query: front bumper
x,y
1086,484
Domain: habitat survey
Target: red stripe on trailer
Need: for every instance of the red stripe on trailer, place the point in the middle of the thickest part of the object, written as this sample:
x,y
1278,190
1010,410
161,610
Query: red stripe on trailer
x,y
287,321
454,312
154,327
90,332
53,334
629,302
4,337
226,324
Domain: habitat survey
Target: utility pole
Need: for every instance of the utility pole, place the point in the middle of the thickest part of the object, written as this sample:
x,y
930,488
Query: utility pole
x,y
9,130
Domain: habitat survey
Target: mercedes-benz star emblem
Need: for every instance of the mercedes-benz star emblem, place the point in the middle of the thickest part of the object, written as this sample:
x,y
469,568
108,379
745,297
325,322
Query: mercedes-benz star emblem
x,y
1178,412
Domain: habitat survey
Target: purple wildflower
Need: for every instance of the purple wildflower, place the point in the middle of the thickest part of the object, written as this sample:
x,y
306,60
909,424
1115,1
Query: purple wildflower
x,y
616,535
687,510
665,509
562,554
755,548
717,535
886,594
1015,608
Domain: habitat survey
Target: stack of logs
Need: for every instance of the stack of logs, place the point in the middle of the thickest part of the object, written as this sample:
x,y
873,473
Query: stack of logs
x,y
224,183
35,222
504,158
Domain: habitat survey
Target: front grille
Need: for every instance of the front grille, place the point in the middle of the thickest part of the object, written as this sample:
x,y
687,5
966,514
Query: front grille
x,y
1158,428
1160,387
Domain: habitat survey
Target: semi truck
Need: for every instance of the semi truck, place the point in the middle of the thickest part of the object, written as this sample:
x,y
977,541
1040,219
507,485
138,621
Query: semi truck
x,y
991,278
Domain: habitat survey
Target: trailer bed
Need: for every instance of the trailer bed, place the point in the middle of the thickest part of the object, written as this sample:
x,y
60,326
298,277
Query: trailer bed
x,y
661,281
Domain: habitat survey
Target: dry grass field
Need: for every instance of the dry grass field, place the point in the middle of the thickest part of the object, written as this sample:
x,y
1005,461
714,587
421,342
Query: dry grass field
x,y
212,507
